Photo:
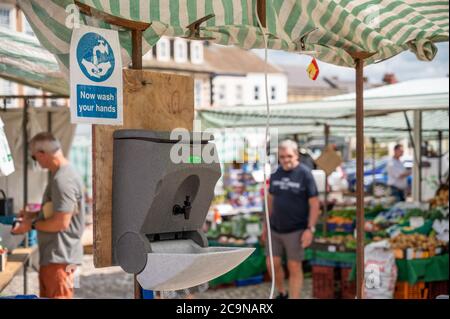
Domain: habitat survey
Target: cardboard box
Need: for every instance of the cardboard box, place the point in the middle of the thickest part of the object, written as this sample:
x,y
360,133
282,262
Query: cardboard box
x,y
329,160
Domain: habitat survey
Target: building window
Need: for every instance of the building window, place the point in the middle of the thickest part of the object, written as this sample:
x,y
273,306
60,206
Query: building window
x,y
273,91
6,88
239,94
163,49
257,92
196,52
5,17
222,92
34,92
198,93
180,48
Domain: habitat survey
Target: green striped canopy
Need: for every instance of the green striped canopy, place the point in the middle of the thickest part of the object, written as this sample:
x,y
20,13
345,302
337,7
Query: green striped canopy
x,y
326,29
23,60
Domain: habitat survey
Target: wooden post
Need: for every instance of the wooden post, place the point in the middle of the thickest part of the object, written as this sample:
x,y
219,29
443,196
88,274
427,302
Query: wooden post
x,y
359,58
136,49
325,204
360,177
262,11
136,28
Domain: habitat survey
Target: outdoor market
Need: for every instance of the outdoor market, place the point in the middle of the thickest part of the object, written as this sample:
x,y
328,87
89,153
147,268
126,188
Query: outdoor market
x,y
157,149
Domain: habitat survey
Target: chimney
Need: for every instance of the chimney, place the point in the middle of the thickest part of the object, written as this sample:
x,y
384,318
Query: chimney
x,y
389,78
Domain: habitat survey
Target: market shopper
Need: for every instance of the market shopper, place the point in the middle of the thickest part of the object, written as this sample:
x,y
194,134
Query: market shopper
x,y
294,210
60,223
398,175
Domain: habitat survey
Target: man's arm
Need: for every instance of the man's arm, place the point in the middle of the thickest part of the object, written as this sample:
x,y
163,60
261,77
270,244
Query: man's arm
x,y
314,211
269,206
60,221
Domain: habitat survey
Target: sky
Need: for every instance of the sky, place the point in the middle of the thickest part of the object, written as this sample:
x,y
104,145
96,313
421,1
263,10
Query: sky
x,y
405,65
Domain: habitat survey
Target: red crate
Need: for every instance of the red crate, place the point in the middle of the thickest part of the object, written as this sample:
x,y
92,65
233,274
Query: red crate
x,y
348,288
323,282
403,290
437,288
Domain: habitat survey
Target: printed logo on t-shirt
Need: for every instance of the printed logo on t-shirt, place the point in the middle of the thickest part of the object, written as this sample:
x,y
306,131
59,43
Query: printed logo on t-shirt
x,y
285,183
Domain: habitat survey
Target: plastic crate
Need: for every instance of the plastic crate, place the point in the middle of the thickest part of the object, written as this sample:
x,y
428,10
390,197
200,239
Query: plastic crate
x,y
437,288
323,262
348,288
404,290
255,280
341,228
323,279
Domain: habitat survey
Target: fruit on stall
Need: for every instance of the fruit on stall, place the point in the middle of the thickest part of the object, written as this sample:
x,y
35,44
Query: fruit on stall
x,y
441,198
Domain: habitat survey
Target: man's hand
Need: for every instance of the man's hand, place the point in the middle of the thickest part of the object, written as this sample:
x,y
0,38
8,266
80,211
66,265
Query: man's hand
x,y
307,238
21,227
24,214
264,235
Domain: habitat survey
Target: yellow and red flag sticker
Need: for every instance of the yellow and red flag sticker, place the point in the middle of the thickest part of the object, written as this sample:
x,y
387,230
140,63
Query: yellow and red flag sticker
x,y
313,70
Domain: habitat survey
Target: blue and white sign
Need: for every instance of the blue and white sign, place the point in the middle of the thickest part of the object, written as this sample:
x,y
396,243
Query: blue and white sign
x,y
96,77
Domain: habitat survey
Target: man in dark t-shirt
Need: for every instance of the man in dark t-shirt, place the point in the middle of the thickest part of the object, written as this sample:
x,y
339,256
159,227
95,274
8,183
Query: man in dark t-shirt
x,y
294,210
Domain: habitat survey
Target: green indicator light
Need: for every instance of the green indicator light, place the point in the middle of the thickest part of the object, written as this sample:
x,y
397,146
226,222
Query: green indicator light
x,y
195,159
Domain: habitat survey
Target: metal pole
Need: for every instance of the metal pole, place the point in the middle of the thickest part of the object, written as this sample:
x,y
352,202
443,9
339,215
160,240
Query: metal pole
x,y
325,200
440,157
49,129
373,140
25,158
359,177
137,289
417,177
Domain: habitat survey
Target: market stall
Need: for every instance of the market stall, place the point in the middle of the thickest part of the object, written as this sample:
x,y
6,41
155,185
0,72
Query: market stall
x,y
25,185
302,26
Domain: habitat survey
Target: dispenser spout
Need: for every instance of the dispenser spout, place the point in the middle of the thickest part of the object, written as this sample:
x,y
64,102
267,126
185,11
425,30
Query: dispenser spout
x,y
185,210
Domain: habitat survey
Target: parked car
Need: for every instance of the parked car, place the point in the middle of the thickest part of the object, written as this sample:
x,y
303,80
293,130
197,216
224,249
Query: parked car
x,y
375,176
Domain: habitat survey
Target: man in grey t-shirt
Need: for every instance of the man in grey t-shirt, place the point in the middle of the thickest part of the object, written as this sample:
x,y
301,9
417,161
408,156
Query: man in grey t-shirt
x,y
60,223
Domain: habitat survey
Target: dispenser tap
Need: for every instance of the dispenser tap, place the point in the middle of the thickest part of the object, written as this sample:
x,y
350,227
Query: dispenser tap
x,y
185,210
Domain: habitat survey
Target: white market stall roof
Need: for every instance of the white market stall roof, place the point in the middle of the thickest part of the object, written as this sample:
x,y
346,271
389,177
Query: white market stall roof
x,y
384,110
407,88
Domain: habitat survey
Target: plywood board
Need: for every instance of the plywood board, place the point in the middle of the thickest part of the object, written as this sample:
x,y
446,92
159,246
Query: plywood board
x,y
153,101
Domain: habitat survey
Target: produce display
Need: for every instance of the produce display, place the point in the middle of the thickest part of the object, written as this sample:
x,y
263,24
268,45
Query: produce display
x,y
416,246
441,198
342,242
239,229
412,232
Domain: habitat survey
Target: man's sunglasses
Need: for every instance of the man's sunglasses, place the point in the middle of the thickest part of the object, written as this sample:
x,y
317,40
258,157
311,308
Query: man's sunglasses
x,y
34,157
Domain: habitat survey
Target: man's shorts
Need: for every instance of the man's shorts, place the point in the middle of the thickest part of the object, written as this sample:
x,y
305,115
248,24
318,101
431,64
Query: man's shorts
x,y
56,281
289,244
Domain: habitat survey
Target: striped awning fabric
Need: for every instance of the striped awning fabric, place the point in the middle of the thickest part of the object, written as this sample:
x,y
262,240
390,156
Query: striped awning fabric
x,y
328,29
24,60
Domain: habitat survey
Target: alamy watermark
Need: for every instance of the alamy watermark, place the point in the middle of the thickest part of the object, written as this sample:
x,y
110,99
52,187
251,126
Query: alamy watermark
x,y
228,146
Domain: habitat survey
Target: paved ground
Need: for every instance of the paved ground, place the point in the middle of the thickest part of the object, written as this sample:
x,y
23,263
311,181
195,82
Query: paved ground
x,y
113,283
